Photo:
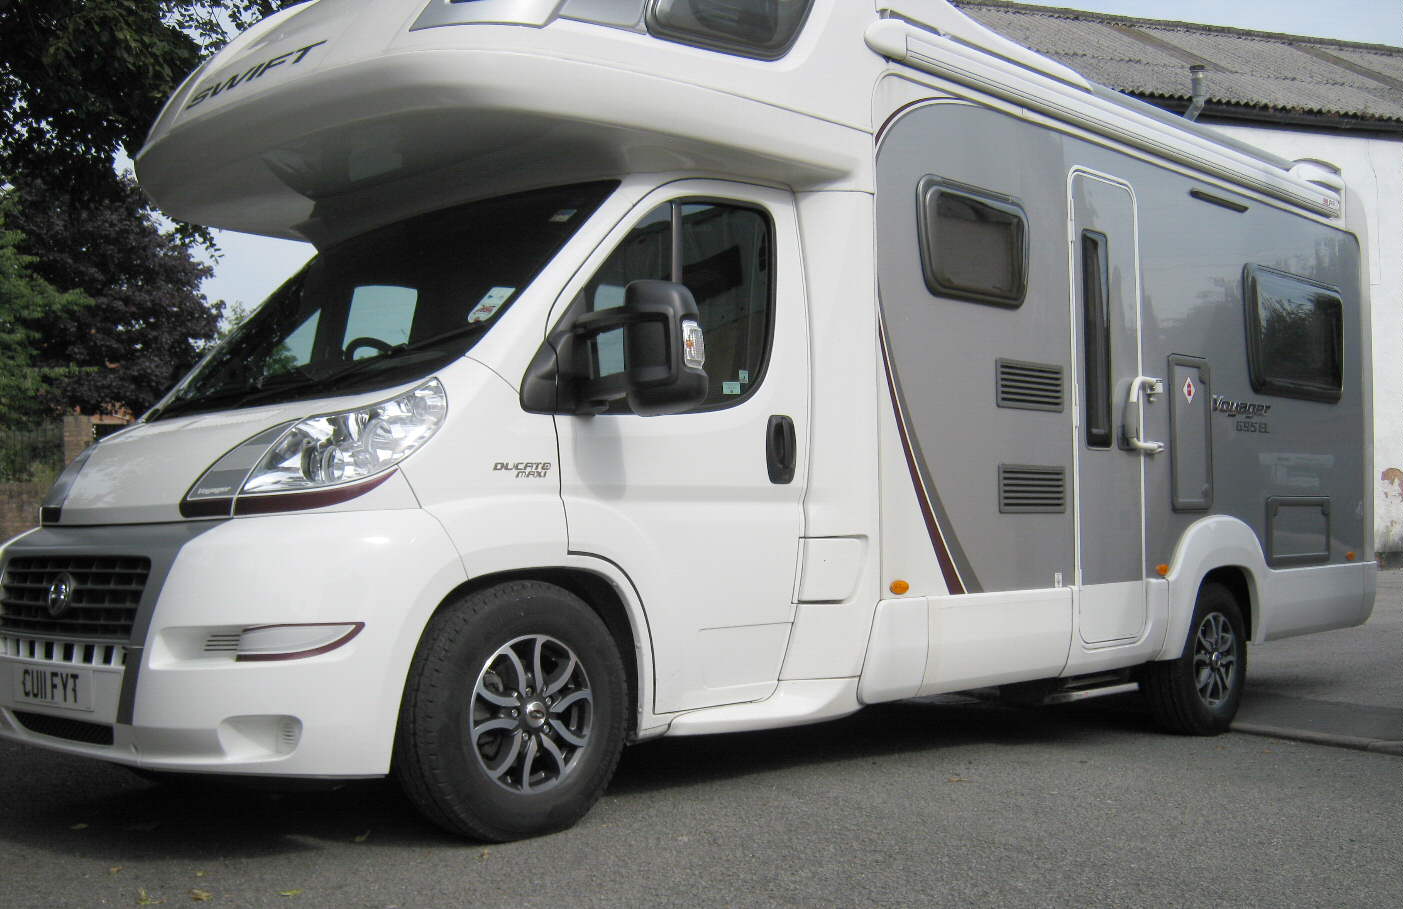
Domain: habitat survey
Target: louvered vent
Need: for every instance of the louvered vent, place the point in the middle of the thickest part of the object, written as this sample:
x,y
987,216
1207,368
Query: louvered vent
x,y
1025,489
1028,386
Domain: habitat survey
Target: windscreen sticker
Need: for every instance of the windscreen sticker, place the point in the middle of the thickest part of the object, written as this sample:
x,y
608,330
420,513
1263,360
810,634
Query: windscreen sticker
x,y
730,388
744,376
562,216
491,301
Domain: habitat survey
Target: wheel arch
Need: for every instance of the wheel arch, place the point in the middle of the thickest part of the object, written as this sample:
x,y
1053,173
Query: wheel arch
x,y
602,594
1223,550
1238,582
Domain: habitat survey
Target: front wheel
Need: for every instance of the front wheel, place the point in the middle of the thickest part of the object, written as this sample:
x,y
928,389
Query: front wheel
x,y
514,713
1199,693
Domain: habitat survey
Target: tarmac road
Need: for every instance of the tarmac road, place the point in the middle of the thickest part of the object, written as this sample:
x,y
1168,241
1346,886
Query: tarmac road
x,y
925,803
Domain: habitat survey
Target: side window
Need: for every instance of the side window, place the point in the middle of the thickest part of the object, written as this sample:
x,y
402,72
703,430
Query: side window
x,y
749,28
1295,335
974,244
645,253
723,254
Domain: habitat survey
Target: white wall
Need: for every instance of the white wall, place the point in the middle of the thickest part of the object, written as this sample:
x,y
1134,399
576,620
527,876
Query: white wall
x,y
1374,169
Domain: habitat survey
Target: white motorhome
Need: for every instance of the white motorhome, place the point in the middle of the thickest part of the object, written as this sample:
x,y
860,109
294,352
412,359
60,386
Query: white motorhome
x,y
673,367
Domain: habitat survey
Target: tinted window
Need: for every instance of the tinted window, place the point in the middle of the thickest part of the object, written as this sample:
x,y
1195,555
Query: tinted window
x,y
1096,338
722,253
391,306
1295,335
752,28
973,244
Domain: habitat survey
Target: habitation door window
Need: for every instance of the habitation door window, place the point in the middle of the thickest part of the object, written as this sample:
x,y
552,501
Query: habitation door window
x,y
723,253
1295,335
1096,339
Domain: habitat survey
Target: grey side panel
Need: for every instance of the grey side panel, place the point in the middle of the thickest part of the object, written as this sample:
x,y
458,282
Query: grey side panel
x,y
1190,390
1271,445
161,543
944,352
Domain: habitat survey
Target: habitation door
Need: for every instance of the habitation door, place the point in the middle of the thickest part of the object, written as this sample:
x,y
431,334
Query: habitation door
x,y
703,509
1110,470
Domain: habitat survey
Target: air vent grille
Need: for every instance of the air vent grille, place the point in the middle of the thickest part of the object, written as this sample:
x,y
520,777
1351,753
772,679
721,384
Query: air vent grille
x,y
63,728
1028,386
1027,489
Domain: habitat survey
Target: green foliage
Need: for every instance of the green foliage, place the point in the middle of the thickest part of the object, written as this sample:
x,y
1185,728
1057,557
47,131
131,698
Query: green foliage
x,y
80,82
27,300
147,322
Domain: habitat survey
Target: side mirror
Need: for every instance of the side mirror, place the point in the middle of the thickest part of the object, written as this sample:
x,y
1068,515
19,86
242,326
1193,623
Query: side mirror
x,y
662,352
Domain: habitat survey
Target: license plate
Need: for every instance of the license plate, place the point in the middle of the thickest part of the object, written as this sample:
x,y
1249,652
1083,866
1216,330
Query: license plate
x,y
54,687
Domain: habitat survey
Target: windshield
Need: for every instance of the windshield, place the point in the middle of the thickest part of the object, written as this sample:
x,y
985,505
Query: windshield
x,y
390,306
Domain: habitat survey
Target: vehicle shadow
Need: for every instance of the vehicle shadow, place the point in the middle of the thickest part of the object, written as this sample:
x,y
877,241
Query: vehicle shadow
x,y
920,725
72,806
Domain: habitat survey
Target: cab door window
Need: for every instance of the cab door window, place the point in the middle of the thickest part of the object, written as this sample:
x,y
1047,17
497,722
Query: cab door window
x,y
723,254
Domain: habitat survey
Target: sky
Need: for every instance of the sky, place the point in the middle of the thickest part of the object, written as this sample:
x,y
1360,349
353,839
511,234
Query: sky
x,y
253,267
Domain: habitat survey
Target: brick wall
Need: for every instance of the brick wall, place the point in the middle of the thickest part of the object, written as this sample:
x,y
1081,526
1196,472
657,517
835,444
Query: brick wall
x,y
19,507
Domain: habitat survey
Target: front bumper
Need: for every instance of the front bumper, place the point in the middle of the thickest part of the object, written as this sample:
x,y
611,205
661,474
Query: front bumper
x,y
173,696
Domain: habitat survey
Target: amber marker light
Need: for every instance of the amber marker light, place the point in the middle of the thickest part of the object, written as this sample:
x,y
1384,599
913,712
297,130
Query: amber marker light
x,y
899,587
1162,570
1351,556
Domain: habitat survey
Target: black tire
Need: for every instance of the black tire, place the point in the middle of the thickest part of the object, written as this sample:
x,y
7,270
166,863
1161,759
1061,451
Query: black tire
x,y
1199,693
481,749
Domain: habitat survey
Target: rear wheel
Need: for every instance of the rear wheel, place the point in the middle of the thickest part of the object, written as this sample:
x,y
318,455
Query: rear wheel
x,y
1199,693
513,715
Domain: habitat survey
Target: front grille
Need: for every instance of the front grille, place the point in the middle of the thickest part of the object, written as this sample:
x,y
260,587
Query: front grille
x,y
63,728
106,591
73,653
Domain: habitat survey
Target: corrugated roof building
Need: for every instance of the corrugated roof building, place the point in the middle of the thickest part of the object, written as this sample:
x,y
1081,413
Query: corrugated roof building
x,y
1250,76
1294,96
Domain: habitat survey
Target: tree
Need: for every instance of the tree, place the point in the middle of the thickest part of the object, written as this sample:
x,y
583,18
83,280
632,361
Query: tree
x,y
147,321
25,299
80,81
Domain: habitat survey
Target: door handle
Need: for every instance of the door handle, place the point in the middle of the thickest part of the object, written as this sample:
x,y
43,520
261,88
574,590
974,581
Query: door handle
x,y
781,450
1130,424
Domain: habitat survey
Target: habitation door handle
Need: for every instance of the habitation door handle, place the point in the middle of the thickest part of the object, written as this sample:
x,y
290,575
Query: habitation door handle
x,y
1130,425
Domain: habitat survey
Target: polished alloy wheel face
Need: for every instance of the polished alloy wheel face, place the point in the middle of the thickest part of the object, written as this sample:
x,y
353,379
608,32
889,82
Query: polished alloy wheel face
x,y
531,714
1215,659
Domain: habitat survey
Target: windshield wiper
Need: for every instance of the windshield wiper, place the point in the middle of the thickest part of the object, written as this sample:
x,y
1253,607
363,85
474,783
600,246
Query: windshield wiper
x,y
294,380
355,369
264,394
441,337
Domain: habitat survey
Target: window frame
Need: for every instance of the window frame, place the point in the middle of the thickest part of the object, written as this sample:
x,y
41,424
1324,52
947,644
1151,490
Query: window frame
x,y
1258,371
718,43
927,191
772,284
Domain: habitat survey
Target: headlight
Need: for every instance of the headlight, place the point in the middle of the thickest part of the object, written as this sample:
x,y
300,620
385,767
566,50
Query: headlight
x,y
326,459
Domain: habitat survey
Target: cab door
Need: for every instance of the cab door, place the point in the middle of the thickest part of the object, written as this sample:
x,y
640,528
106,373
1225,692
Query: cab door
x,y
702,509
